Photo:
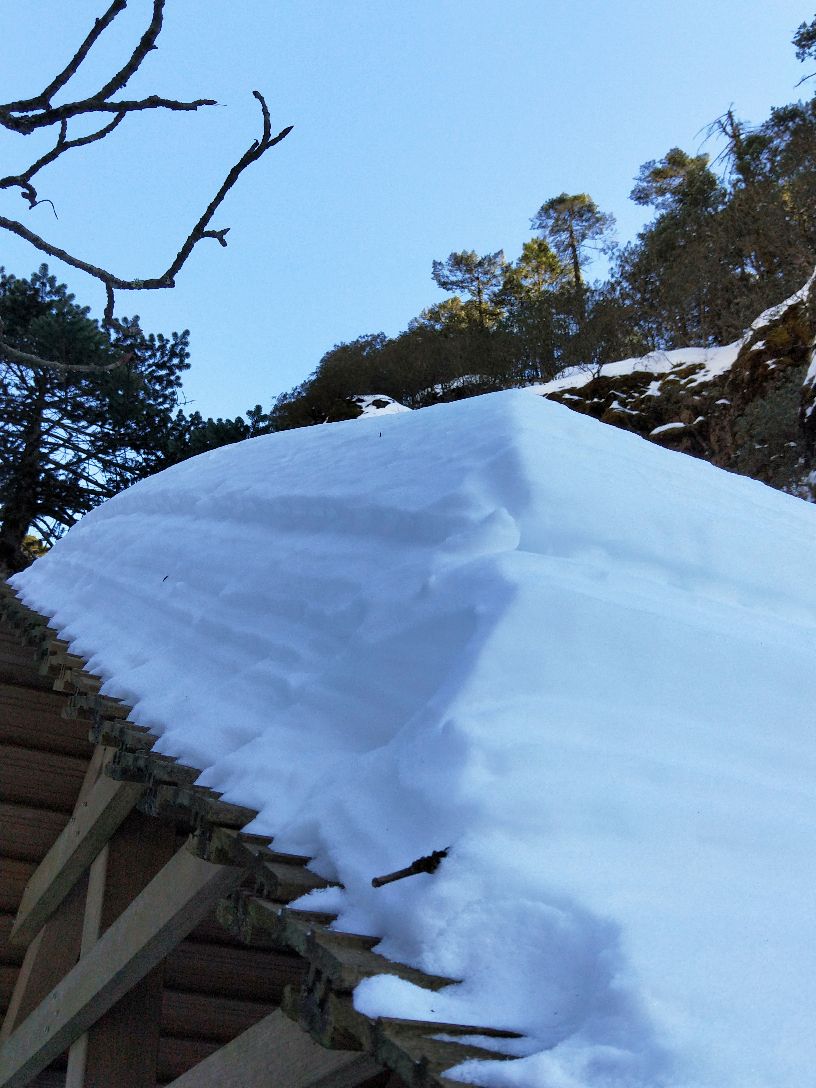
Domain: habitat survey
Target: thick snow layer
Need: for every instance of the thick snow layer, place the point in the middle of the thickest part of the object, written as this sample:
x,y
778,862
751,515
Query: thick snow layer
x,y
582,662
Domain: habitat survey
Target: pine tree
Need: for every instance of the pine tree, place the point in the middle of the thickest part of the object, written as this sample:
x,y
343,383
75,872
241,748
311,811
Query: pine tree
x,y
70,438
479,278
574,225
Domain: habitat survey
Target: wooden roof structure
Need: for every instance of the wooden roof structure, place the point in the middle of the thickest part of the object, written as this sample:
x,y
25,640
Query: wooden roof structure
x,y
145,938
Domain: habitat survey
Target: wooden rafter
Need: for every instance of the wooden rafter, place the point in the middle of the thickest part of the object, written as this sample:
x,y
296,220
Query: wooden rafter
x,y
171,905
277,1052
96,817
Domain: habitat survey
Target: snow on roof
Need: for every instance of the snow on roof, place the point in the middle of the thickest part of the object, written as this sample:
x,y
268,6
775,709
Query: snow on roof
x,y
581,661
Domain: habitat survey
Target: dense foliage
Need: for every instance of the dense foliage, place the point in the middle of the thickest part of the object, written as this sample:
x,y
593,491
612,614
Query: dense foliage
x,y
70,438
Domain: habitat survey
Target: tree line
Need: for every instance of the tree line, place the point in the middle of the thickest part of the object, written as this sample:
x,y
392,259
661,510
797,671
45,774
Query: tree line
x,y
727,237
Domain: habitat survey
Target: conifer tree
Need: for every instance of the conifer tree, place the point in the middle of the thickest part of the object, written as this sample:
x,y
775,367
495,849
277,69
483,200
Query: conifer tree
x,y
479,278
574,225
73,435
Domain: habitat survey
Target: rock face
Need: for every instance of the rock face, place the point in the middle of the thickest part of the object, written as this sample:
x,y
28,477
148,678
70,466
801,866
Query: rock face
x,y
749,407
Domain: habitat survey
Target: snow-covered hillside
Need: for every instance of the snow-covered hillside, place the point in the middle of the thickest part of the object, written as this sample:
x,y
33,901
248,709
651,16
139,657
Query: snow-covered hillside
x,y
582,662
749,406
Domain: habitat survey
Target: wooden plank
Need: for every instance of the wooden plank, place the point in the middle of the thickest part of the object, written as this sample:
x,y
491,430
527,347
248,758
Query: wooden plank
x,y
8,976
28,833
91,929
210,931
242,973
33,719
176,1056
49,957
50,1078
113,1053
276,1052
95,819
14,875
55,949
9,954
18,980
45,779
207,1016
18,663
169,907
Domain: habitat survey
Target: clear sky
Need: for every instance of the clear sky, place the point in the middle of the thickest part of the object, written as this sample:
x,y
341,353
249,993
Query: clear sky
x,y
421,127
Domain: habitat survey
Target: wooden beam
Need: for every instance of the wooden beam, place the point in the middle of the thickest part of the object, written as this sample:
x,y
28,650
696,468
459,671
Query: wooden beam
x,y
55,949
276,1053
91,929
185,890
23,976
113,1054
95,818
48,958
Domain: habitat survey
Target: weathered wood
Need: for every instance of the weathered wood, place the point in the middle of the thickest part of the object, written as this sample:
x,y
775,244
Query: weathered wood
x,y
176,1056
207,1016
116,730
91,929
33,719
23,766
168,908
28,833
233,972
18,663
49,779
8,953
54,1077
8,976
55,949
275,1052
95,819
197,804
14,875
49,957
112,1053
17,981
282,877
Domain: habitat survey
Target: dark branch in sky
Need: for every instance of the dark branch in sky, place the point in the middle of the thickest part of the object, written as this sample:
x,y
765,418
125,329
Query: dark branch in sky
x,y
28,115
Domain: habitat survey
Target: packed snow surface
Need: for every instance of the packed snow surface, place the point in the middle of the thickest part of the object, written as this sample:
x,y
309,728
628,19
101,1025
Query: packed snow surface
x,y
582,662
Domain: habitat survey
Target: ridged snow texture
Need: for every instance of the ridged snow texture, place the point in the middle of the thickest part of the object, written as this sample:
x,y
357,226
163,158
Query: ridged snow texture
x,y
582,662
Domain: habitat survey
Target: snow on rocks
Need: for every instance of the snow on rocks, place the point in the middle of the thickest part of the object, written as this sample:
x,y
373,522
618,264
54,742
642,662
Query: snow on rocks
x,y
581,662
377,404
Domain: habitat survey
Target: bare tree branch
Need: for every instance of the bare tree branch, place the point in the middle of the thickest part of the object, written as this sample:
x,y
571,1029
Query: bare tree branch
x,y
29,193
75,368
56,84
25,116
53,116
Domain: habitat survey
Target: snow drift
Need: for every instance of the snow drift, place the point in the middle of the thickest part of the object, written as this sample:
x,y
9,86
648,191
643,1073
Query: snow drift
x,y
582,662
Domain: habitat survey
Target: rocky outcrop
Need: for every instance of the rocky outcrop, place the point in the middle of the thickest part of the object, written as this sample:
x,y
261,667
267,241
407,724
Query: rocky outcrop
x,y
749,407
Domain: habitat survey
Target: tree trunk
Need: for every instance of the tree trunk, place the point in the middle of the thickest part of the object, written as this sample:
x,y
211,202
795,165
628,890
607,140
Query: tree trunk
x,y
20,491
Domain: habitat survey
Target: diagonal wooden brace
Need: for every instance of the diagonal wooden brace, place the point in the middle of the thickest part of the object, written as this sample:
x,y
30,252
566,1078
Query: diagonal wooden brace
x,y
171,905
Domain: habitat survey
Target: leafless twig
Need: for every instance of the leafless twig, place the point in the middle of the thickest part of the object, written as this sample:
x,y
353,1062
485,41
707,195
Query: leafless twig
x,y
27,115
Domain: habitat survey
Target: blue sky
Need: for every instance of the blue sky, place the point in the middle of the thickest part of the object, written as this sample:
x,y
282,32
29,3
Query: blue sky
x,y
421,127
